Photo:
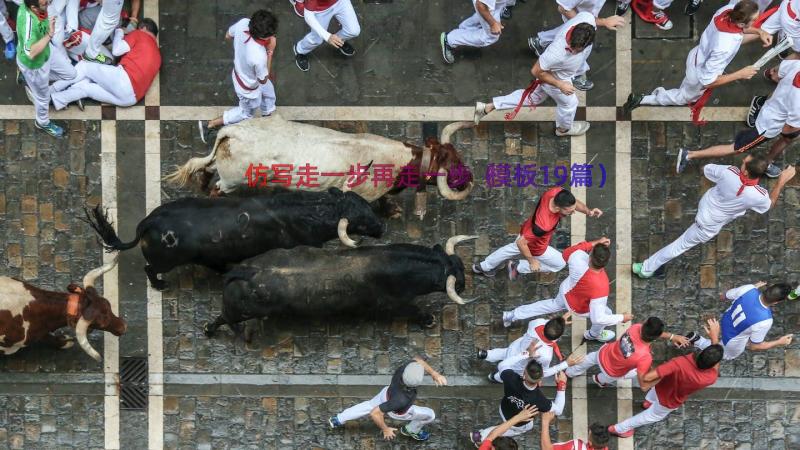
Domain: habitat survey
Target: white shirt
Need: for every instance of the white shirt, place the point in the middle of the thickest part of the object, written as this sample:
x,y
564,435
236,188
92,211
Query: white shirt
x,y
590,6
720,204
562,63
789,25
715,51
493,5
249,60
783,107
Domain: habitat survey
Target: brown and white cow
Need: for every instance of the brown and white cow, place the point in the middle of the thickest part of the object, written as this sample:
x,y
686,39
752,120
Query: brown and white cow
x,y
29,314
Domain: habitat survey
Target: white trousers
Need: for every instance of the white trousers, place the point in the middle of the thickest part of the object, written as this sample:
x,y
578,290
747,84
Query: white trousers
x,y
591,360
418,416
247,105
5,29
550,306
690,90
38,81
344,13
655,413
105,25
513,431
100,82
550,261
474,32
694,235
732,350
566,105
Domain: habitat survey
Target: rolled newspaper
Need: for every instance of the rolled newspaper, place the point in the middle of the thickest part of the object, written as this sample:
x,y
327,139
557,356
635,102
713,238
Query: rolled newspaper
x,y
785,43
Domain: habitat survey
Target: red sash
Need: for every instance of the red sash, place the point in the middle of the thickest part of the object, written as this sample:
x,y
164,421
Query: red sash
x,y
525,94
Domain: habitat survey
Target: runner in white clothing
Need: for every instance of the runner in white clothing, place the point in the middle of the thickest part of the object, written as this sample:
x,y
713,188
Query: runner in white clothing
x,y
778,115
554,74
107,22
786,20
481,29
318,15
736,191
253,45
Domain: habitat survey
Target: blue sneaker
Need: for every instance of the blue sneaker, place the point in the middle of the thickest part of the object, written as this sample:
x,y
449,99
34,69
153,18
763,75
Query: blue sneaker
x,y
333,422
11,50
421,435
52,129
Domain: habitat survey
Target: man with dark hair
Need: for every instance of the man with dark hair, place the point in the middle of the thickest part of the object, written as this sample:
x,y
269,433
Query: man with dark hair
x,y
553,77
629,356
539,342
496,440
254,43
735,192
598,437
481,29
534,237
584,292
671,383
318,15
522,391
122,85
747,321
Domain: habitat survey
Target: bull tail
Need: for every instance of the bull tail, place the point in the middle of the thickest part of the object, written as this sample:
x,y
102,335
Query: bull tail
x,y
98,219
181,176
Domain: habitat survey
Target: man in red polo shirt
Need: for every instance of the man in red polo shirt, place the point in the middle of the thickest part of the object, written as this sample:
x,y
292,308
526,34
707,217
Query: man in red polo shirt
x,y
674,381
598,437
533,242
122,85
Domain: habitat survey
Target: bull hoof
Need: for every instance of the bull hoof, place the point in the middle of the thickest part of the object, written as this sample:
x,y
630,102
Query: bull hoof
x,y
208,331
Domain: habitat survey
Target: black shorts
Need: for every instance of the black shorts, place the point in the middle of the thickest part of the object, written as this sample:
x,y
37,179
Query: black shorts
x,y
748,139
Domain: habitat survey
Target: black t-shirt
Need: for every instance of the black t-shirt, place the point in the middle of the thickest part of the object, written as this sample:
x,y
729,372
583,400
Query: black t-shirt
x,y
516,396
399,396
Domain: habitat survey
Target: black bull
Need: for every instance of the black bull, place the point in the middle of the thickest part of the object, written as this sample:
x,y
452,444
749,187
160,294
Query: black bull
x,y
221,231
367,281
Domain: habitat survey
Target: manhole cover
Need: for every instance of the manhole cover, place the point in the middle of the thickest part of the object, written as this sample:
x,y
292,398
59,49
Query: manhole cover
x,y
133,383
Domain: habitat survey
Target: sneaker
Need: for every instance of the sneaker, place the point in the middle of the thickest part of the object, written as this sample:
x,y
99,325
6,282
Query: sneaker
x,y
596,380
613,431
605,336
492,378
52,129
639,271
646,404
582,83
475,438
333,422
755,107
447,51
693,337
691,7
536,46
512,270
773,171
480,112
202,126
476,268
100,59
420,435
298,7
622,8
578,128
662,21
11,50
633,102
481,354
506,14
784,54
301,60
347,50
508,318
683,160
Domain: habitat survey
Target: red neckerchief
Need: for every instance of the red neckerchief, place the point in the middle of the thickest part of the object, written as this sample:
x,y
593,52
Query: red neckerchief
x,y
745,182
568,39
724,24
259,41
796,82
41,15
525,94
552,344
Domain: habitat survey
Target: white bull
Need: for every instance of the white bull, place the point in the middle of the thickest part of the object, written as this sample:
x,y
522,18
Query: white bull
x,y
274,140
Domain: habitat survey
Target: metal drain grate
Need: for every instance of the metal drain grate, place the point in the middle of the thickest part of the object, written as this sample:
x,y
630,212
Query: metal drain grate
x,y
133,383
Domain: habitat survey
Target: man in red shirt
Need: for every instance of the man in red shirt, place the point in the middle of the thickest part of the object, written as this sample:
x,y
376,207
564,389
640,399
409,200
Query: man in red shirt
x,y
598,437
122,85
627,357
533,242
674,381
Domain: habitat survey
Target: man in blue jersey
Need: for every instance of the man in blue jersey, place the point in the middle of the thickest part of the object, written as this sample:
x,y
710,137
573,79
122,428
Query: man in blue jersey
x,y
747,321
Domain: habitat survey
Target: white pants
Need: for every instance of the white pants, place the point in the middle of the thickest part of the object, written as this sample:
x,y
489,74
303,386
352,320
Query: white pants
x,y
550,261
513,431
5,29
566,105
247,105
100,82
105,25
474,32
591,360
344,13
38,81
694,235
550,306
691,88
655,413
419,416
732,350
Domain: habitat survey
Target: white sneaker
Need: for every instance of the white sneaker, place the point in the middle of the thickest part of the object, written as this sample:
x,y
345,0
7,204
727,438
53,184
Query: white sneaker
x,y
508,318
605,336
578,128
662,21
480,112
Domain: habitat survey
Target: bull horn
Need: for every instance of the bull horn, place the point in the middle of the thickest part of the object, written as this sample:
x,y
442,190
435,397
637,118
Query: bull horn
x,y
80,332
89,279
450,246
447,131
451,290
341,229
450,194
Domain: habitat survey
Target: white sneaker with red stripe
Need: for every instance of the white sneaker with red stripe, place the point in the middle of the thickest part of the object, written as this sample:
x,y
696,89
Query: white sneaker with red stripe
x,y
298,7
662,21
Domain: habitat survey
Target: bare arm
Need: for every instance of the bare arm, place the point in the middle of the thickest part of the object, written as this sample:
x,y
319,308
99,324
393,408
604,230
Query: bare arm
x,y
38,47
649,380
766,345
136,5
526,414
438,378
377,416
568,13
783,178
484,12
744,73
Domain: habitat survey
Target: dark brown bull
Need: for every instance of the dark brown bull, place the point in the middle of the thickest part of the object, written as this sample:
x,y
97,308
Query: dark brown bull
x,y
29,314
